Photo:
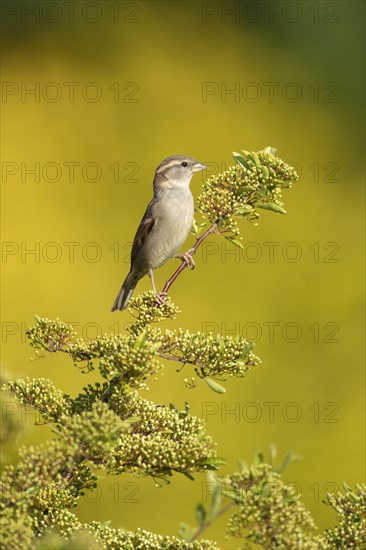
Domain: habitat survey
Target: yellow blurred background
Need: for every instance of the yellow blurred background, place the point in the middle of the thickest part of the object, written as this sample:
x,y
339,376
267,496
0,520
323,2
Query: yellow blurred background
x,y
95,95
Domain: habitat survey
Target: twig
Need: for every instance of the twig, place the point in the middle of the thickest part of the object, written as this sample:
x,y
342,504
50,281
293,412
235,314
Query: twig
x,y
223,511
174,358
192,251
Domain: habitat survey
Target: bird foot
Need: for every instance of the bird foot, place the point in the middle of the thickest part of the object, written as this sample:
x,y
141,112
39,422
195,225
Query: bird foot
x,y
160,297
187,258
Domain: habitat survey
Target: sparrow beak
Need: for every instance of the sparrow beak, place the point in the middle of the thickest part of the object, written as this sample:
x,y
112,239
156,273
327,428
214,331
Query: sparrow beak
x,y
198,167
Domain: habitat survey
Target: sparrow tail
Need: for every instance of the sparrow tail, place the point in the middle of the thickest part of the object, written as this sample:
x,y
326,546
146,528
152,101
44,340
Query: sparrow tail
x,y
125,293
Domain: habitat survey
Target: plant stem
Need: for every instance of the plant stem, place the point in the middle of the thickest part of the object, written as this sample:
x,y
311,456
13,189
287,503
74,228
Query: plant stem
x,y
223,511
192,251
174,358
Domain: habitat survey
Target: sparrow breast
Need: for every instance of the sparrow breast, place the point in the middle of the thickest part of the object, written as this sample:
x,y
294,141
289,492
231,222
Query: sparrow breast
x,y
175,210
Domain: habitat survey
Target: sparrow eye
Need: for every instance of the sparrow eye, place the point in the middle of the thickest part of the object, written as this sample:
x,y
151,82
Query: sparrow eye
x,y
184,163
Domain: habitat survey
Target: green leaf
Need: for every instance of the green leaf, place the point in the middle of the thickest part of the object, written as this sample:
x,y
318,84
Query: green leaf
x,y
235,241
270,150
272,454
141,339
214,461
186,532
200,514
347,488
255,159
230,495
194,228
265,491
272,206
212,467
265,172
247,188
214,386
155,346
243,210
216,500
288,459
258,457
247,349
239,159
220,343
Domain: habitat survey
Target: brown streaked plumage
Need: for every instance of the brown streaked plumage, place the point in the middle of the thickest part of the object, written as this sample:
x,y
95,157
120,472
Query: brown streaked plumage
x,y
165,224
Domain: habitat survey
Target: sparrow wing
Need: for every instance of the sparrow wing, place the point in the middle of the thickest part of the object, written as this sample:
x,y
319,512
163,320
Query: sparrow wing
x,y
146,226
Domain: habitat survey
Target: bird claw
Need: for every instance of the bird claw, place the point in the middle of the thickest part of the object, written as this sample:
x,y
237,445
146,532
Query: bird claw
x,y
187,258
160,298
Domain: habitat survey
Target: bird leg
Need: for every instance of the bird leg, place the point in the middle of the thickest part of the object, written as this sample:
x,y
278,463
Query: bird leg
x,y
187,258
159,296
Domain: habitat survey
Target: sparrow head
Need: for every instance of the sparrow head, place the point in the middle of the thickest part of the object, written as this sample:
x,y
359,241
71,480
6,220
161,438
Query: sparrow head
x,y
176,171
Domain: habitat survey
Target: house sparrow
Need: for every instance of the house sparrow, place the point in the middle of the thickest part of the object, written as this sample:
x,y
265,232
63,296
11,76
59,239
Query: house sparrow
x,y
165,224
